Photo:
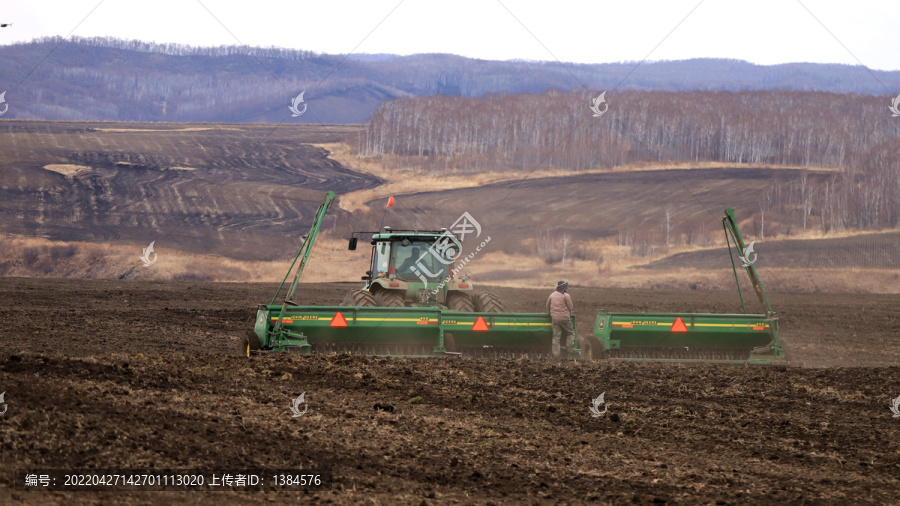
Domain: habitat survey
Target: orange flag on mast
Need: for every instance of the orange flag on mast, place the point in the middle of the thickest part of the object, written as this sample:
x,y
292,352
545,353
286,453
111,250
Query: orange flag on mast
x,y
390,202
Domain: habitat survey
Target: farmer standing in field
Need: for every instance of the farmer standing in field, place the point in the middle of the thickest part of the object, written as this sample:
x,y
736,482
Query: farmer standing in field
x,y
560,307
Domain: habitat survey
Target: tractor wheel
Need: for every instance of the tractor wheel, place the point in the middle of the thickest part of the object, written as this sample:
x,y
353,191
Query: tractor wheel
x,y
249,343
390,298
591,349
487,302
449,342
460,301
359,298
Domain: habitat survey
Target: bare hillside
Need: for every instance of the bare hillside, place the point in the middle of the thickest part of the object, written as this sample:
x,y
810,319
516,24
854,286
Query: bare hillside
x,y
243,191
868,251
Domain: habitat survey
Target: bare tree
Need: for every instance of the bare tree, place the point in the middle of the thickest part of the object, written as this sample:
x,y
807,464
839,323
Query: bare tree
x,y
762,223
544,244
764,205
807,205
668,224
502,132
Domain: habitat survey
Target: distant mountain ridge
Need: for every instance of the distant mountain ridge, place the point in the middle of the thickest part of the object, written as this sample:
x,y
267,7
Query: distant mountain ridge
x,y
120,80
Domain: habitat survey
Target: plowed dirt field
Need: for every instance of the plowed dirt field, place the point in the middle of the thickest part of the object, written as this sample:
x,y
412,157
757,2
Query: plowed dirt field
x,y
105,374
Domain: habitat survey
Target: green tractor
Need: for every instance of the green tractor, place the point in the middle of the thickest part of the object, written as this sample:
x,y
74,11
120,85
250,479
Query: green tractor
x,y
413,305
414,268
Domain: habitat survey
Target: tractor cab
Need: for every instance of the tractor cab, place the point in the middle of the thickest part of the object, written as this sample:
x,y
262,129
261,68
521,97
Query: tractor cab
x,y
412,267
408,259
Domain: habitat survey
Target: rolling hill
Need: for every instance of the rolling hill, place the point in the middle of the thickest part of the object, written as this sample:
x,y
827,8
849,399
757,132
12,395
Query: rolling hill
x,y
629,206
243,191
230,202
866,251
119,80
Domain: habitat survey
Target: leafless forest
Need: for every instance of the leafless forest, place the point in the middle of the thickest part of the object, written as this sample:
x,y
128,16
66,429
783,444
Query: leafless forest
x,y
109,79
852,134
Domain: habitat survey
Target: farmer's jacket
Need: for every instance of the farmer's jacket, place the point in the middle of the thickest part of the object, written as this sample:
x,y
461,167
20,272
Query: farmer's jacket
x,y
559,305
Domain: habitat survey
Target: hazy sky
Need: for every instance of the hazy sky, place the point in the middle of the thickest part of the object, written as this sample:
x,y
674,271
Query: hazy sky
x,y
760,31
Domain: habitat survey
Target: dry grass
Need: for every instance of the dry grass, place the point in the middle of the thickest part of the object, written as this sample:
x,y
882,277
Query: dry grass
x,y
34,257
600,262
187,129
619,269
67,169
712,165
813,234
406,180
37,257
518,271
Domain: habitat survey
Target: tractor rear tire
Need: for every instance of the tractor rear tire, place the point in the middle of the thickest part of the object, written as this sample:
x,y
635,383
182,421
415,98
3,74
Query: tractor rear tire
x,y
591,349
249,343
359,298
487,302
390,298
460,301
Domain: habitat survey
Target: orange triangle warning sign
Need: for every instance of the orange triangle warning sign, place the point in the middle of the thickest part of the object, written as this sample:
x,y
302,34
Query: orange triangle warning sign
x,y
480,325
338,320
678,326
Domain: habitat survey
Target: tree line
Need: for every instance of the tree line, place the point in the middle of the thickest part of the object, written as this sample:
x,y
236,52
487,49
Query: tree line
x,y
854,134
175,49
105,78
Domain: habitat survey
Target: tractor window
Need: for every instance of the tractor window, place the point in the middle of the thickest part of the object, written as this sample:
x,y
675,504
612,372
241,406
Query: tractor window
x,y
415,257
382,258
